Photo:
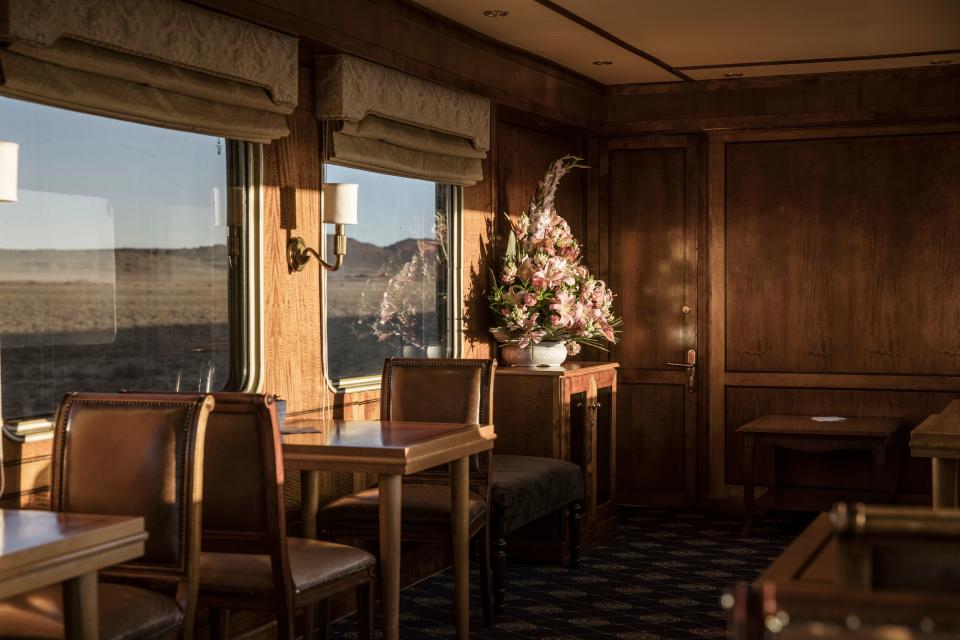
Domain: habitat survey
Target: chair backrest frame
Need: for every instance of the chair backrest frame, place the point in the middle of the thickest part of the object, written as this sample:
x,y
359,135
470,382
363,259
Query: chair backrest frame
x,y
480,467
182,573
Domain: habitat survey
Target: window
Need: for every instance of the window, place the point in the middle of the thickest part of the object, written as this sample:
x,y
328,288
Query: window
x,y
124,263
396,293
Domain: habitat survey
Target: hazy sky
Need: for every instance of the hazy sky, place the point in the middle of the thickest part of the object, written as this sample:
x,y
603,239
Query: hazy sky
x,y
88,182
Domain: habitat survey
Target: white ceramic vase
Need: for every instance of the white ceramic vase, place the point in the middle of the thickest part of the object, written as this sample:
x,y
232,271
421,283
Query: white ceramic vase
x,y
545,354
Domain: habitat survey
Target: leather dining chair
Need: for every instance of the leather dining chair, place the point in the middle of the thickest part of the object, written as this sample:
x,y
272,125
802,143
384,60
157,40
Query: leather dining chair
x,y
248,562
134,455
429,390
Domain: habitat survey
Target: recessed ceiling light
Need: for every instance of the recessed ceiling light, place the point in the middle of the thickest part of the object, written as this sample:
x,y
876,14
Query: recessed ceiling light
x,y
735,74
496,13
941,61
603,63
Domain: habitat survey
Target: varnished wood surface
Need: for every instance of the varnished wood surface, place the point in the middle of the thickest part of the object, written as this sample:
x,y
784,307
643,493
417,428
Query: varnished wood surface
x,y
38,548
379,446
803,581
854,426
565,370
868,270
939,435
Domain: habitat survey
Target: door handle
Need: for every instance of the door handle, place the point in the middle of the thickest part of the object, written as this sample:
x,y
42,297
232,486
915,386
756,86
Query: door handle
x,y
691,366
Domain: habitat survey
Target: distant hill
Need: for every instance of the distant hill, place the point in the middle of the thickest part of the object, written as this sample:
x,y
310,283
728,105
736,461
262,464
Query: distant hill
x,y
367,259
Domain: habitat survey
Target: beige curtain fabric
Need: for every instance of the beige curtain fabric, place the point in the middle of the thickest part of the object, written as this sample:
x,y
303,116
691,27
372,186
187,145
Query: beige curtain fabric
x,y
160,62
386,120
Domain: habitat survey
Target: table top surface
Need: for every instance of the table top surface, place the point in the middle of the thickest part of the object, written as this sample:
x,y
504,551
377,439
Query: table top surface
x,y
939,435
40,547
566,369
380,446
851,426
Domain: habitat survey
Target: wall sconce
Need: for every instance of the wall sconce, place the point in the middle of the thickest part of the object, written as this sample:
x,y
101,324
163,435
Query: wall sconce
x,y
8,171
338,206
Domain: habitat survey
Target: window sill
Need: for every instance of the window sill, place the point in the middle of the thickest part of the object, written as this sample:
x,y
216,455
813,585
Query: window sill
x,y
29,430
354,385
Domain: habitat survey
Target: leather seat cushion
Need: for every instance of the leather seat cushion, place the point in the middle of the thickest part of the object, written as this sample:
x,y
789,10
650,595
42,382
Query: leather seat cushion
x,y
312,563
525,488
422,504
125,613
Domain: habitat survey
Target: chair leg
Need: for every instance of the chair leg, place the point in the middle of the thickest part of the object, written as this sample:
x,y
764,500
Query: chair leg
x,y
486,595
499,573
323,620
309,620
219,624
575,514
365,598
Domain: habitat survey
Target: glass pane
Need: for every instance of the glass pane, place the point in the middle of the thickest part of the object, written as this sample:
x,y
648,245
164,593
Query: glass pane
x,y
390,297
113,263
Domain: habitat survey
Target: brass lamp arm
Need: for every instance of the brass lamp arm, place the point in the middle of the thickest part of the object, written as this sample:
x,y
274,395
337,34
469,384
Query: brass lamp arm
x,y
298,253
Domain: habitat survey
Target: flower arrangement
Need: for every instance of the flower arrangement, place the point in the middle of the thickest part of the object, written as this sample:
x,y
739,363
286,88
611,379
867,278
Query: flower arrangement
x,y
543,293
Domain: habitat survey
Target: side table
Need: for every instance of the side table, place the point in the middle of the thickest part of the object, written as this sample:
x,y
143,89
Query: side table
x,y
803,433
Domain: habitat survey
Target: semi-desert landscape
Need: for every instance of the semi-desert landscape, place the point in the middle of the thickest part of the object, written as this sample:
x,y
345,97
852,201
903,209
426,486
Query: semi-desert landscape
x,y
103,320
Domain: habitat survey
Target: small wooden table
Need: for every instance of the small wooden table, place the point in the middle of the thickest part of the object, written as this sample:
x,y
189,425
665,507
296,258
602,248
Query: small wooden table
x,y
803,433
392,450
938,437
40,548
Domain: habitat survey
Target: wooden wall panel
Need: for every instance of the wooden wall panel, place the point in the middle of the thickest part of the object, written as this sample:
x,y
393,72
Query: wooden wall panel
x,y
651,445
523,156
867,226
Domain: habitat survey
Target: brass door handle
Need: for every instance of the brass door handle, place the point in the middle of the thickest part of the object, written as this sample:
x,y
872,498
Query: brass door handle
x,y
691,366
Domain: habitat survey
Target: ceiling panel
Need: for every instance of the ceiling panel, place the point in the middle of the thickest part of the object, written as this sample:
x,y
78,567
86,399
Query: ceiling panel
x,y
688,33
707,39
535,28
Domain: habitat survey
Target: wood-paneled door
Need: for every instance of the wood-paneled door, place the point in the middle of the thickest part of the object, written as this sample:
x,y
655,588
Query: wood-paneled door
x,y
655,224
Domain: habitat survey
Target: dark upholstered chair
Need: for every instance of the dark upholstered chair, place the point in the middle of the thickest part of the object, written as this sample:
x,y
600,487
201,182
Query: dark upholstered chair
x,y
429,390
136,455
524,489
248,562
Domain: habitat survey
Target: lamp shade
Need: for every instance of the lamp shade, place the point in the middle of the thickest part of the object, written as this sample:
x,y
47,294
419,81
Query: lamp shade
x,y
339,203
8,171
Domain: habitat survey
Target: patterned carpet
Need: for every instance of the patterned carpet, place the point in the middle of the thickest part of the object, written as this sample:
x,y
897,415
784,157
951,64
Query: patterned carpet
x,y
659,578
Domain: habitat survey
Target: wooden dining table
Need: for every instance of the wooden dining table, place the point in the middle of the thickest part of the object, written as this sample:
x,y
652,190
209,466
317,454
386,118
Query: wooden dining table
x,y
938,438
391,450
40,548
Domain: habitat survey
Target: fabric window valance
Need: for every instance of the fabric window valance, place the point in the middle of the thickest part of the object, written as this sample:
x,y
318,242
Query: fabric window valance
x,y
386,120
159,62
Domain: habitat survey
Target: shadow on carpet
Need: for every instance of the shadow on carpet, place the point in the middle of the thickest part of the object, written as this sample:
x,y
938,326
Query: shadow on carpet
x,y
659,578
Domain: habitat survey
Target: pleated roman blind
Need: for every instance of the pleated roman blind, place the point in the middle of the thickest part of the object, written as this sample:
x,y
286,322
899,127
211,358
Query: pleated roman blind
x,y
385,120
159,62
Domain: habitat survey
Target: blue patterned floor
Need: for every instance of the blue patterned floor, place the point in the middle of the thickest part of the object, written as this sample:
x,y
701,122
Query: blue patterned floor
x,y
659,578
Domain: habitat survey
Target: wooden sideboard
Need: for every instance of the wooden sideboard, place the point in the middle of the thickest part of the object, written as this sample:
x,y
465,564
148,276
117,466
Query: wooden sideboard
x,y
566,412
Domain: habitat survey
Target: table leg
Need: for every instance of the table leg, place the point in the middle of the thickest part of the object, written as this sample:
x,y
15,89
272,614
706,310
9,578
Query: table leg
x,y
309,505
390,501
460,522
80,607
880,455
946,483
749,451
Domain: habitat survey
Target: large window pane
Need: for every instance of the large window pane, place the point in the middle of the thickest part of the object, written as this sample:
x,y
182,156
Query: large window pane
x,y
391,296
114,270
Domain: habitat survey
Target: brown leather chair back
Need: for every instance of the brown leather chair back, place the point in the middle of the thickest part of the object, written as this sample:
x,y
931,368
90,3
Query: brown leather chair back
x,y
441,390
138,454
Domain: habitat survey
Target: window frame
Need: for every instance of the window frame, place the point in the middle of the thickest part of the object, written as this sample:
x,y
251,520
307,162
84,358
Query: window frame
x,y
244,169
453,197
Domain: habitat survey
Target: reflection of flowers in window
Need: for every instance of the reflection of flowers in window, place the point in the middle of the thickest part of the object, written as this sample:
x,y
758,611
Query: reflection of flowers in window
x,y
543,292
410,291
